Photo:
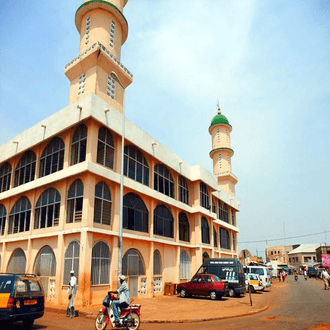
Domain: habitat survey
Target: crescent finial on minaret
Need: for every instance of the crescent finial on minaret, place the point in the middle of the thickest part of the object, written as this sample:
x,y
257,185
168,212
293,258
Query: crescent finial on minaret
x,y
219,110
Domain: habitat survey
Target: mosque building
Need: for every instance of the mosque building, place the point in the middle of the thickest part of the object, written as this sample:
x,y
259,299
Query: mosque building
x,y
61,183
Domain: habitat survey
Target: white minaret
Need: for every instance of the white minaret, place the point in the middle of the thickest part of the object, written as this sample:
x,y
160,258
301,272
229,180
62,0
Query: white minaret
x,y
103,30
221,153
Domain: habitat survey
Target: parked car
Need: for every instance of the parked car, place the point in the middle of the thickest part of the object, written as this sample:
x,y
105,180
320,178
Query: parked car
x,y
203,285
21,298
311,272
227,269
263,273
253,280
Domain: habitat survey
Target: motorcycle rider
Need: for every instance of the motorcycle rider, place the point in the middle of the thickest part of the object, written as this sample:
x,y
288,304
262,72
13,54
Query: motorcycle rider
x,y
124,298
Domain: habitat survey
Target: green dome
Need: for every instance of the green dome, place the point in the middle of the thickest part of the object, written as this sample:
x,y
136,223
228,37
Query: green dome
x,y
219,119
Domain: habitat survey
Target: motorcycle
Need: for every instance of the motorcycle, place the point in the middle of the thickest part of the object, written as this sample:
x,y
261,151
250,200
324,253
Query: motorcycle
x,y
296,277
129,317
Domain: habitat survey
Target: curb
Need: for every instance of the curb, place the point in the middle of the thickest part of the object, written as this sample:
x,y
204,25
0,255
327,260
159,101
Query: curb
x,y
90,315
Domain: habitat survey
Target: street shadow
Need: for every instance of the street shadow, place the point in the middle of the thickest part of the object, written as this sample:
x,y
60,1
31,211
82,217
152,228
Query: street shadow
x,y
19,326
204,298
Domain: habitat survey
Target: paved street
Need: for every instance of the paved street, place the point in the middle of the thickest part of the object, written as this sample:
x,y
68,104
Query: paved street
x,y
298,305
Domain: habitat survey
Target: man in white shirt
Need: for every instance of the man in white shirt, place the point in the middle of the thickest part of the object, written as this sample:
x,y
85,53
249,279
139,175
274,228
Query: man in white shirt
x,y
72,293
326,277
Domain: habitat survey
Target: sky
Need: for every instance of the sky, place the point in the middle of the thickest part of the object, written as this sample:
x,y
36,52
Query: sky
x,y
266,62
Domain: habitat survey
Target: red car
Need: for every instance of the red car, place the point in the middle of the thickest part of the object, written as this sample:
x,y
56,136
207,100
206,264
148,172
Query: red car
x,y
203,285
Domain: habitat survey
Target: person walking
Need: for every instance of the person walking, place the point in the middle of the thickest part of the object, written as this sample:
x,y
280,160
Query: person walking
x,y
325,277
71,294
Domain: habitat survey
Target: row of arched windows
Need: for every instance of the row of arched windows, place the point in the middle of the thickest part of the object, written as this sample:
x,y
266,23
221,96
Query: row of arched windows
x,y
224,235
132,263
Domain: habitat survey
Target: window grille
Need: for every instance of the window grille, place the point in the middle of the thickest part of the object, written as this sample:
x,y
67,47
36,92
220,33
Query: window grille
x,y
234,242
105,148
112,32
228,160
78,145
185,265
213,206
183,190
157,263
47,211
184,228
220,160
135,213
25,170
71,261
88,27
205,231
204,196
223,212
163,221
133,263
224,239
3,215
82,83
135,165
5,176
17,263
227,136
19,217
100,263
52,158
163,180
218,134
103,204
75,202
111,87
215,238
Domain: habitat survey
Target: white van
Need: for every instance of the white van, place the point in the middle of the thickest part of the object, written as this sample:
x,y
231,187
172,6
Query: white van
x,y
263,273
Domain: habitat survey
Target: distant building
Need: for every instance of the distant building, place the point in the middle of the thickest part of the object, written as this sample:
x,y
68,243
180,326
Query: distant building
x,y
279,253
322,250
303,255
246,258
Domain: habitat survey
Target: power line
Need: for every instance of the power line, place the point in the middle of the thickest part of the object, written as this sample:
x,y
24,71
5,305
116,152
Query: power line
x,y
279,239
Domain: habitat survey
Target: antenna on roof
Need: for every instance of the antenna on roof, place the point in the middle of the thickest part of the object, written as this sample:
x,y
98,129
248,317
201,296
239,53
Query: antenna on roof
x,y
219,110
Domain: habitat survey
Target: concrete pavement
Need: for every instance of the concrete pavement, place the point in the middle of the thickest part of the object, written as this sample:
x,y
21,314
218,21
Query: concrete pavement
x,y
166,309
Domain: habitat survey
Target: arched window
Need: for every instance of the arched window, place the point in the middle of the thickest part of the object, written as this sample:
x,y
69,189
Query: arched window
x,y
5,176
102,204
45,266
204,196
52,157
105,148
163,180
135,165
183,190
19,216
163,221
224,239
71,261
100,263
215,238
205,256
75,202
185,265
135,213
3,215
133,263
184,228
78,145
157,263
205,231
47,211
26,168
17,263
